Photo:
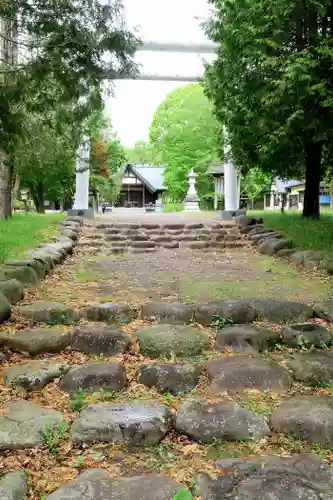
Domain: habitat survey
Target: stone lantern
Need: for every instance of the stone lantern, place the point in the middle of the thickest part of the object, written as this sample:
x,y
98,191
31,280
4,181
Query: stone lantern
x,y
191,203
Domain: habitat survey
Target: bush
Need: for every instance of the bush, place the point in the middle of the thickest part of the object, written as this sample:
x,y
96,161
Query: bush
x,y
173,207
19,205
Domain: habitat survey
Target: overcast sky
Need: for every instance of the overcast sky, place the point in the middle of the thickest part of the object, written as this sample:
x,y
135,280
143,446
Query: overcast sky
x,y
132,108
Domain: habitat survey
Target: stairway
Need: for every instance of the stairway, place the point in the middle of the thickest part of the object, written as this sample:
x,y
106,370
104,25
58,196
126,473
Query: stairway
x,y
147,237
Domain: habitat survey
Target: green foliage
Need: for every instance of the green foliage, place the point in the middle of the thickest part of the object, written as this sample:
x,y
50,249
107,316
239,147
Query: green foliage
x,y
140,153
19,205
183,494
78,400
54,438
220,322
255,183
270,85
46,100
173,207
44,156
26,231
184,134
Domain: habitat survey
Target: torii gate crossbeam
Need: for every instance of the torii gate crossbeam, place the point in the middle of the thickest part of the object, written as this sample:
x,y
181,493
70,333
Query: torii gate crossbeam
x,y
82,177
198,48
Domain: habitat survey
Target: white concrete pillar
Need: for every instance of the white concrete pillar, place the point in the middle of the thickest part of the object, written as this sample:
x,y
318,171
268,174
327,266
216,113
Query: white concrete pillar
x,y
82,176
231,189
82,191
271,202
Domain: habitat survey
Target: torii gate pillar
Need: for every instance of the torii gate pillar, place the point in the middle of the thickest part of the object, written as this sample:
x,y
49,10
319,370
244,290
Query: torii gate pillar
x,y
231,186
81,202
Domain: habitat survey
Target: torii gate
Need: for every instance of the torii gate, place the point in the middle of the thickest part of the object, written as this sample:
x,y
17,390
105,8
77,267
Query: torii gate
x,y
231,182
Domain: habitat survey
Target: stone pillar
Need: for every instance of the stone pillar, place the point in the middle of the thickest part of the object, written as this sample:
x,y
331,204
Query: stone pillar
x,y
191,201
81,202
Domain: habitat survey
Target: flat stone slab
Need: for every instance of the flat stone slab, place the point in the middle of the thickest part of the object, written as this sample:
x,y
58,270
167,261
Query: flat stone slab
x,y
306,417
34,375
324,309
96,484
271,246
94,376
164,339
13,485
39,340
167,312
22,424
111,312
99,339
313,368
242,372
306,335
5,309
239,311
48,312
245,338
175,379
138,423
207,422
13,290
282,311
297,477
25,274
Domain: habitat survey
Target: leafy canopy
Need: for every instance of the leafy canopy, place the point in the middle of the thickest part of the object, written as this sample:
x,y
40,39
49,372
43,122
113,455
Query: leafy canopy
x,y
271,85
183,134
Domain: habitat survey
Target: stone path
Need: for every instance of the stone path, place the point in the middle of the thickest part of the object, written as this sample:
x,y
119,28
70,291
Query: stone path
x,y
123,379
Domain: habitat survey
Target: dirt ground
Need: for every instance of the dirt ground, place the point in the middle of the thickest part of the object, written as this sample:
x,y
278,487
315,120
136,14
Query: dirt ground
x,y
185,275
181,274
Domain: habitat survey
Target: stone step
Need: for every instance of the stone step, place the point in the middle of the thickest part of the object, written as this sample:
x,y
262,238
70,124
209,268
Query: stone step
x,y
93,236
142,249
91,242
143,244
116,237
234,244
117,249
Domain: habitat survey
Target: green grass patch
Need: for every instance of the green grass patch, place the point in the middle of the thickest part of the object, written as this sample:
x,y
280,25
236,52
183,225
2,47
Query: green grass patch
x,y
306,233
281,281
173,207
26,231
84,275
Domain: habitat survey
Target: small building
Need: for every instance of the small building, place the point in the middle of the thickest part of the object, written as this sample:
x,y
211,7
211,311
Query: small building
x,y
293,192
141,185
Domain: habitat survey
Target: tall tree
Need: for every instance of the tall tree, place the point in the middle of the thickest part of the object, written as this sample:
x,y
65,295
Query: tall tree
x,y
141,152
183,133
271,85
78,44
255,183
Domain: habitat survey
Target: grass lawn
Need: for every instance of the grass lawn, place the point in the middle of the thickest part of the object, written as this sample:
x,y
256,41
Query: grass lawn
x,y
305,233
25,231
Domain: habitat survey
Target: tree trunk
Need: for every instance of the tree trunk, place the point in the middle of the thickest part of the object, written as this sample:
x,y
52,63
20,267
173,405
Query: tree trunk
x,y
15,190
331,199
283,202
9,58
39,204
5,186
38,197
313,153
